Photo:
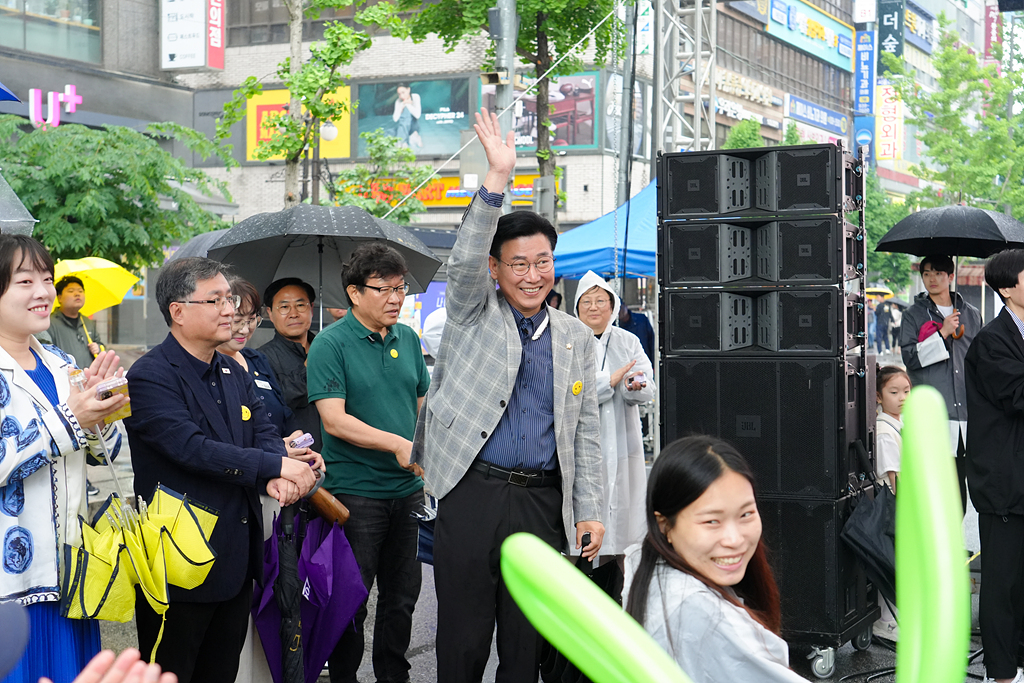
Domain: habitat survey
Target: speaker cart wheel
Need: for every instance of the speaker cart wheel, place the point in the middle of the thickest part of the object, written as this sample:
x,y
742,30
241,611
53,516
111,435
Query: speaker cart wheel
x,y
823,662
862,641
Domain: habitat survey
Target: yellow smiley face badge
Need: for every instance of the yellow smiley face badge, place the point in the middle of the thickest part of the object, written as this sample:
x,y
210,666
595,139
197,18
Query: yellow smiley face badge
x,y
246,414
394,353
577,388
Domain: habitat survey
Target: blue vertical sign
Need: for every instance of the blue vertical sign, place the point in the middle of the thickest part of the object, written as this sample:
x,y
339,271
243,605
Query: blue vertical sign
x,y
864,134
864,76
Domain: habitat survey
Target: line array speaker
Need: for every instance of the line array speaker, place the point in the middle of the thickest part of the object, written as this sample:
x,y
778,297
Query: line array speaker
x,y
793,420
791,321
754,182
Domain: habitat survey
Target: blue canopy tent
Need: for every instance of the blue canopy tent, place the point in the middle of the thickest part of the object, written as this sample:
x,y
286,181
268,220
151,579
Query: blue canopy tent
x,y
593,246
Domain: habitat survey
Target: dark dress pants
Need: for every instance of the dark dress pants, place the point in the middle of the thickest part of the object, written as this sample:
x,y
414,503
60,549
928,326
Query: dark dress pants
x,y
1001,604
472,521
202,641
382,533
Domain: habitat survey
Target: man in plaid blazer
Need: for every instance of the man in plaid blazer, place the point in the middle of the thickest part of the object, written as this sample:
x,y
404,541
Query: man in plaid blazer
x,y
508,437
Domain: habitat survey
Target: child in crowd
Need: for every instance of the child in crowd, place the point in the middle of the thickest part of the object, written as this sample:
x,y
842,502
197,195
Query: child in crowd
x,y
700,582
892,385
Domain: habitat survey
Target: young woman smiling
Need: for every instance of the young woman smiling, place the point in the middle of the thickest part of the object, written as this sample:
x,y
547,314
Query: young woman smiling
x,y
700,582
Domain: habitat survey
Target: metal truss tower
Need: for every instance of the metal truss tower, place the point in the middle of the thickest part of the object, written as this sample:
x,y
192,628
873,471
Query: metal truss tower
x,y
684,115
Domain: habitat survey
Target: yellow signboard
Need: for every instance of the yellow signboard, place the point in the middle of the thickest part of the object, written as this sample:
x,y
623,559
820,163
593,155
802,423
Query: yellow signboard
x,y
264,108
447,191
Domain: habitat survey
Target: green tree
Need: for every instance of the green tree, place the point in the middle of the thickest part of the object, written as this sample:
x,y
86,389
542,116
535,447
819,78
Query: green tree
x,y
974,151
743,135
792,135
309,84
549,29
880,214
98,192
382,183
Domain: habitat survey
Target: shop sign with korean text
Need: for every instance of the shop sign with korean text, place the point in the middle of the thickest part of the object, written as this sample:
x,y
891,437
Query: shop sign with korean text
x,y
890,30
817,115
864,76
812,30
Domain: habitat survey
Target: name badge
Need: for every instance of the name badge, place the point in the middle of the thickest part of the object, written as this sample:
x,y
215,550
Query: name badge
x,y
264,384
226,371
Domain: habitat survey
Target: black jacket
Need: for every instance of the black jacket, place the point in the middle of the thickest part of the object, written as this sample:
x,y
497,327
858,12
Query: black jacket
x,y
288,361
995,433
179,439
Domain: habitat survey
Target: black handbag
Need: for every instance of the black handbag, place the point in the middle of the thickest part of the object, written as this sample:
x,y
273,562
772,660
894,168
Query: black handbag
x,y
870,532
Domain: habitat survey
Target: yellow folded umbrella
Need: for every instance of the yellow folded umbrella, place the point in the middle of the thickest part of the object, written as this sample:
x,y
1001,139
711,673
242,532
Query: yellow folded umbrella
x,y
105,283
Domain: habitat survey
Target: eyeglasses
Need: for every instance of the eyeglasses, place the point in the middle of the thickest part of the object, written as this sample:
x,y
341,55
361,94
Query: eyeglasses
x,y
287,307
595,303
543,265
221,302
253,321
387,291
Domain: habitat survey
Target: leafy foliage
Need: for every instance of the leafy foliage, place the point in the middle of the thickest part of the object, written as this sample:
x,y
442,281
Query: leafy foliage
x,y
792,135
98,192
880,214
380,184
743,135
974,148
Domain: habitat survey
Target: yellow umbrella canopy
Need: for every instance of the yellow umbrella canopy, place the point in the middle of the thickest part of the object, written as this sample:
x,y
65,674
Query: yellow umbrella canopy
x,y
105,282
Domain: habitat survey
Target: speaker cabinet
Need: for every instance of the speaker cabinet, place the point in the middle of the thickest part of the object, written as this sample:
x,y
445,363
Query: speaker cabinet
x,y
793,420
706,184
796,179
790,322
806,179
751,252
824,592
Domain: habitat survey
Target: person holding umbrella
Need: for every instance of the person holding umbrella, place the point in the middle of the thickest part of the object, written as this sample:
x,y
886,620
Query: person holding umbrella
x,y
935,334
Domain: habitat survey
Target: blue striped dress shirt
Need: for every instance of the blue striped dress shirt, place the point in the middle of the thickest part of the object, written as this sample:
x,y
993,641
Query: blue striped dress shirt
x,y
525,435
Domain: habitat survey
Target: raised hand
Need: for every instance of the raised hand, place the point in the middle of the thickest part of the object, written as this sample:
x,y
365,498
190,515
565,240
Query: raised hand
x,y
501,152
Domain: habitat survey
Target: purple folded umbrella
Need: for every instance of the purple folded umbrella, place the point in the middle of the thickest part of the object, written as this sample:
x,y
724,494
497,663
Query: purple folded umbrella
x,y
332,591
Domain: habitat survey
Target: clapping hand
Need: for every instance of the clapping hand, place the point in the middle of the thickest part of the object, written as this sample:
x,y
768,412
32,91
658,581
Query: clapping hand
x,y
127,668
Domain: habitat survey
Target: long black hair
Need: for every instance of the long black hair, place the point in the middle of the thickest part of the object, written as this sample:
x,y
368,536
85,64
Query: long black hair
x,y
681,474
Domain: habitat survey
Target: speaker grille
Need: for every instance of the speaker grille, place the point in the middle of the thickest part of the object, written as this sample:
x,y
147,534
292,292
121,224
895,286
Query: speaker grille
x,y
805,179
822,589
693,184
797,452
807,250
695,322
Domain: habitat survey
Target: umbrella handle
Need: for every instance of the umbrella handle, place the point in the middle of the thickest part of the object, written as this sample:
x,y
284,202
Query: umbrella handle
x,y
959,332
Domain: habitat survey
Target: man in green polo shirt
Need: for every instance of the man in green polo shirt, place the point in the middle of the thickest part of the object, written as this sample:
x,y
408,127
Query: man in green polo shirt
x,y
367,376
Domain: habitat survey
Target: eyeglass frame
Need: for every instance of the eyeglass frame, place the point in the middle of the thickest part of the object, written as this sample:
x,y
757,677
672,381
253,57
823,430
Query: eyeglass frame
x,y
530,264
253,321
596,303
234,299
286,308
404,289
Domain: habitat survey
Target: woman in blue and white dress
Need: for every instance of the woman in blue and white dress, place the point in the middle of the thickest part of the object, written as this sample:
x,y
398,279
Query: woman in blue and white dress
x,y
44,445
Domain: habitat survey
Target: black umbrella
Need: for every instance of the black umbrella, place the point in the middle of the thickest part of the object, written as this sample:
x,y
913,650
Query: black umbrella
x,y
198,245
954,230
288,594
311,243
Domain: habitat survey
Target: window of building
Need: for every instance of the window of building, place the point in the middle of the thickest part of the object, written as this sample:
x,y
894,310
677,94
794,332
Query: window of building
x,y
68,29
840,9
258,22
746,50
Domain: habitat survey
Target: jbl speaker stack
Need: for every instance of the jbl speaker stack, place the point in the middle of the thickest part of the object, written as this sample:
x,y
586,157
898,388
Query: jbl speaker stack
x,y
762,331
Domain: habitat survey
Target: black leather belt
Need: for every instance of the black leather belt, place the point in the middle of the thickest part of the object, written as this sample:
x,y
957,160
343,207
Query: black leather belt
x,y
519,477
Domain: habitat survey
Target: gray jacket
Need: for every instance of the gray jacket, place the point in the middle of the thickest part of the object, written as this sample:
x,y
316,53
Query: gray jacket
x,y
475,372
67,335
947,376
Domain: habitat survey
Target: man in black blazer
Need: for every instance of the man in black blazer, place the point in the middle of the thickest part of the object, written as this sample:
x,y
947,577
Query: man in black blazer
x,y
198,428
995,465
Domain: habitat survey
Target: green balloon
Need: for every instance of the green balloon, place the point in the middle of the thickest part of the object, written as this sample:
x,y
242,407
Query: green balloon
x,y
579,619
931,573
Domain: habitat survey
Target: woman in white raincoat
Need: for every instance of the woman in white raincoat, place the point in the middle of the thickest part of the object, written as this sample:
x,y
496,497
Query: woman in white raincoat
x,y
624,381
